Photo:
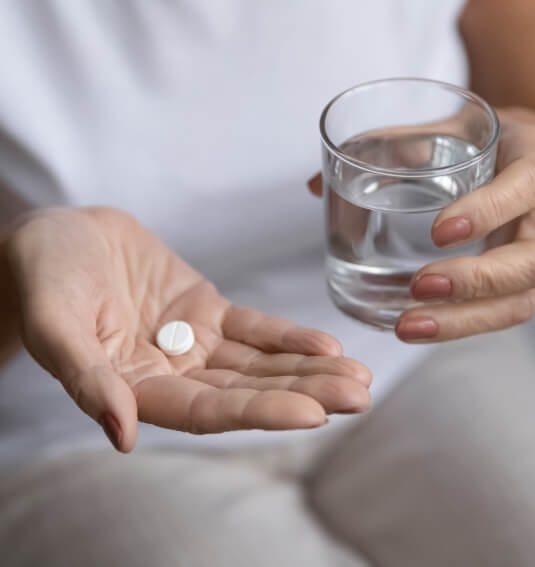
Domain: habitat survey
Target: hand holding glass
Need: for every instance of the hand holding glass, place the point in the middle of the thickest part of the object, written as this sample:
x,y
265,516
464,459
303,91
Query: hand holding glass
x,y
395,152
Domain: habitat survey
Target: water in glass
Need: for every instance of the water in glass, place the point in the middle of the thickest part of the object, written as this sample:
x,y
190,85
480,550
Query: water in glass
x,y
379,228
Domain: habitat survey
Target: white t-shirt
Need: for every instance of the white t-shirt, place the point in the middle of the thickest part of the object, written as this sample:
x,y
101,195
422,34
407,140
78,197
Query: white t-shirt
x,y
197,113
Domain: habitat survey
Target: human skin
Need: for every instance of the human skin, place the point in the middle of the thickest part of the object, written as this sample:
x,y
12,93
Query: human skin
x,y
89,288
86,289
495,290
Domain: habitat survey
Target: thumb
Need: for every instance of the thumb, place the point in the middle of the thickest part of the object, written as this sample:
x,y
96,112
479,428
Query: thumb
x,y
103,395
67,346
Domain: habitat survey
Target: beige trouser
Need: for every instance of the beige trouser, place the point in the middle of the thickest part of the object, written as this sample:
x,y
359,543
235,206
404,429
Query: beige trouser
x,y
440,474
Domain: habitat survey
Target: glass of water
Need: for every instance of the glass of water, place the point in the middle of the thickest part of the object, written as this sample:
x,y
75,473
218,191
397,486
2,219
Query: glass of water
x,y
395,152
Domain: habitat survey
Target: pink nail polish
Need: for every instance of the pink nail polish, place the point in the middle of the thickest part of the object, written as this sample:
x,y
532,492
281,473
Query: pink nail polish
x,y
415,328
431,286
451,231
112,429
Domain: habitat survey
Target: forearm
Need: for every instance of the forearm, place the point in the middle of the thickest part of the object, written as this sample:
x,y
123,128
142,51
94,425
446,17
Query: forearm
x,y
500,42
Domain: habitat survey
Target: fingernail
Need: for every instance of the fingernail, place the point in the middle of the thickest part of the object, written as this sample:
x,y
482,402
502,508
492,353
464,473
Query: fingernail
x,y
451,231
314,179
414,328
431,286
112,429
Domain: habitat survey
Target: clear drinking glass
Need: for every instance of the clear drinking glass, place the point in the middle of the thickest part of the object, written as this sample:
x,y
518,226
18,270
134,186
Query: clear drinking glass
x,y
395,152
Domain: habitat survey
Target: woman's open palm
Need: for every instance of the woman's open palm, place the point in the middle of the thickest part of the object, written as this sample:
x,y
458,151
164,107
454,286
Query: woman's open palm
x,y
94,287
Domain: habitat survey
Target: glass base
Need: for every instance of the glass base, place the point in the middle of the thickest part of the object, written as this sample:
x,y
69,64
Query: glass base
x,y
380,317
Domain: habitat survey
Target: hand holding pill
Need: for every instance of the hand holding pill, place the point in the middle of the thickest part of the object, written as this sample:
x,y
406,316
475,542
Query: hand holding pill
x,y
133,332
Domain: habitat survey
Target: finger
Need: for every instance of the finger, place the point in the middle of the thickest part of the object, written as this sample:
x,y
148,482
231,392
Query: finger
x,y
517,133
334,393
185,404
449,321
252,362
274,334
314,185
509,195
505,270
63,342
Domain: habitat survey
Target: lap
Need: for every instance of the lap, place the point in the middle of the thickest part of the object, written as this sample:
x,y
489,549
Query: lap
x,y
441,473
160,509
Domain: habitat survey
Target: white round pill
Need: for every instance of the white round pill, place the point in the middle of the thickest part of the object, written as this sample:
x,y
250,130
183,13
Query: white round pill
x,y
175,337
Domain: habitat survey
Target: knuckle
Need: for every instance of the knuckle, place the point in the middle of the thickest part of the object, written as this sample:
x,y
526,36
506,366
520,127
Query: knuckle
x,y
481,281
192,423
193,426
493,213
345,366
199,418
499,206
487,210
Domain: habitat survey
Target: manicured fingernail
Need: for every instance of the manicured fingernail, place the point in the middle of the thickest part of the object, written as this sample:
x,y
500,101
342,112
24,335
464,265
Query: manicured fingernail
x,y
315,184
414,328
112,429
431,286
451,231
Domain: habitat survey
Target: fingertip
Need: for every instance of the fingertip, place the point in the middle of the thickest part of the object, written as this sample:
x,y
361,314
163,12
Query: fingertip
x,y
357,401
416,328
309,414
334,348
314,185
117,407
128,442
122,436
126,449
112,429
278,410
451,231
349,367
431,286
365,376
314,420
320,344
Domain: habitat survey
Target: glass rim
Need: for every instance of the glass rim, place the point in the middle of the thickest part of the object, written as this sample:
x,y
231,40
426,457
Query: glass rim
x,y
403,172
